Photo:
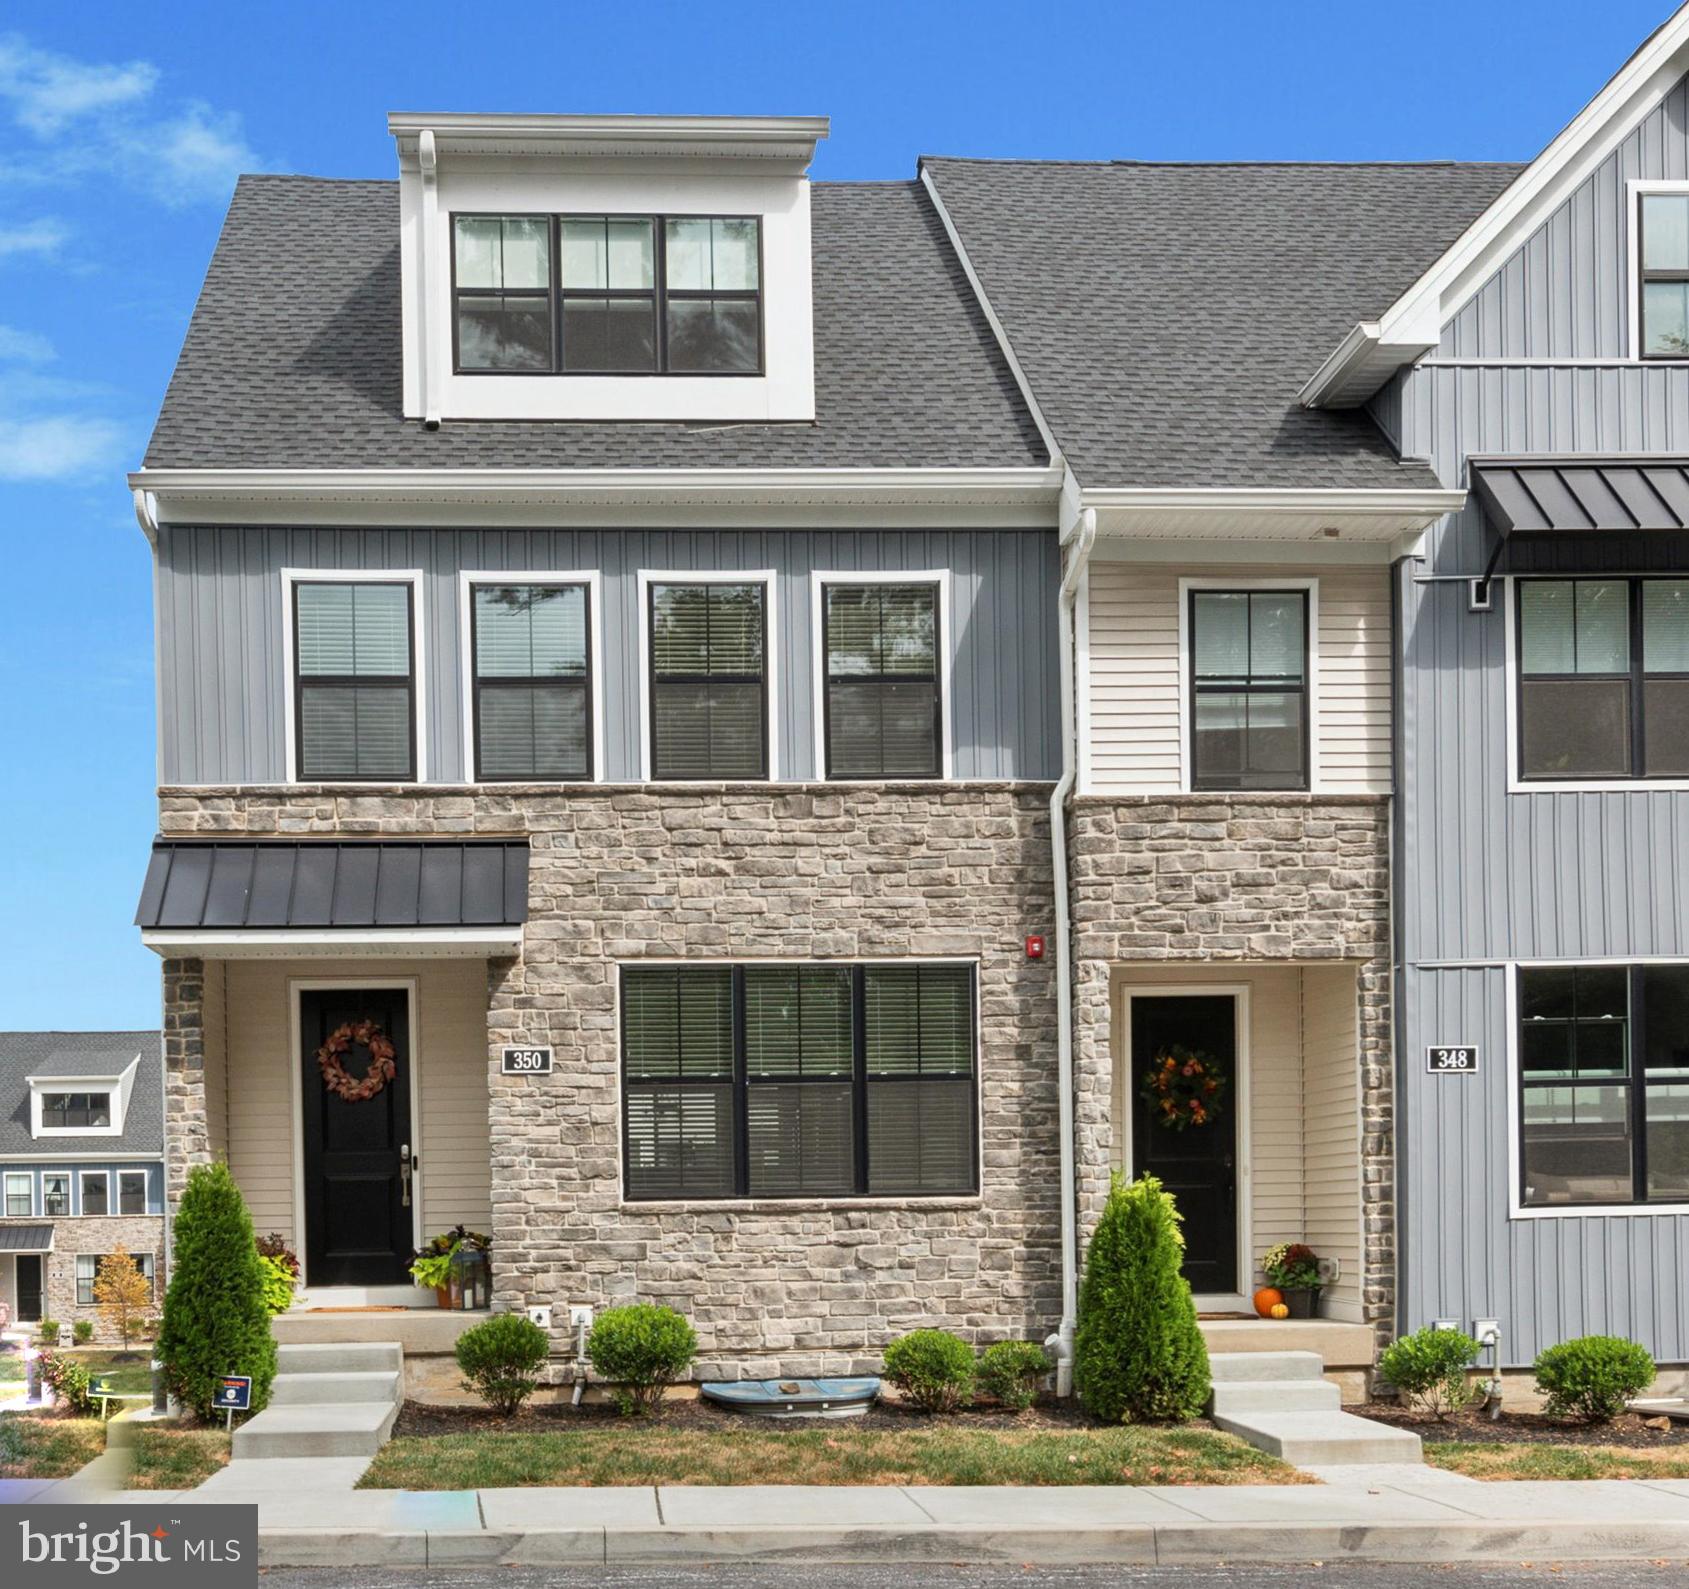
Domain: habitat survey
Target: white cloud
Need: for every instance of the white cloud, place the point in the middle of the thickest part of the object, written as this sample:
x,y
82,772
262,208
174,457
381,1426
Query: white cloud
x,y
48,91
45,236
56,446
198,155
24,347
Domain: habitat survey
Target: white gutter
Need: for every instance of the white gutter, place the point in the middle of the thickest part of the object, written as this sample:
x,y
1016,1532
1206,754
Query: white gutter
x,y
1080,538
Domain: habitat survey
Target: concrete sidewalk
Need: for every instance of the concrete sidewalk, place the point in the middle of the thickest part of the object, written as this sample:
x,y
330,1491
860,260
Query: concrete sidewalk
x,y
310,1516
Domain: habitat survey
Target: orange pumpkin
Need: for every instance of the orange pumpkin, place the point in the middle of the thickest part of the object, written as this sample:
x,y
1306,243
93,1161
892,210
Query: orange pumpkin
x,y
1266,1299
1281,1310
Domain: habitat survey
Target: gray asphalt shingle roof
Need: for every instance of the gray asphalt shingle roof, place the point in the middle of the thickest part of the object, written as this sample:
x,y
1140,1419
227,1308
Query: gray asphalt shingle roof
x,y
25,1054
1167,315
293,355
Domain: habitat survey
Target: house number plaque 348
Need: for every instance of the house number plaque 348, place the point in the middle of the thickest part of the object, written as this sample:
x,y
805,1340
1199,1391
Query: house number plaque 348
x,y
1459,1060
526,1062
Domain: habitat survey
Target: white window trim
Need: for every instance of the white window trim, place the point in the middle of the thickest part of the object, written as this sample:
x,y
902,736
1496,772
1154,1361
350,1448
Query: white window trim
x,y
146,1192
1634,190
1517,1208
1311,585
119,1086
818,665
12,1178
82,1179
290,577
467,580
766,577
71,1193
1510,661
93,1279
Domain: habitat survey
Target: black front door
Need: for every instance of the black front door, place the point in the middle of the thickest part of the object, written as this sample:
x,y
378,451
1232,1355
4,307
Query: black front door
x,y
1198,1165
29,1286
357,1203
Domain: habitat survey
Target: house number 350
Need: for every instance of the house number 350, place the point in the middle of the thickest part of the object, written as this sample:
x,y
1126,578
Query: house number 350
x,y
526,1062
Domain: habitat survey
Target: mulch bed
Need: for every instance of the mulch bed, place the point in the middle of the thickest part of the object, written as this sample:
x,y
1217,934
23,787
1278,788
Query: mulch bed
x,y
1527,1428
689,1413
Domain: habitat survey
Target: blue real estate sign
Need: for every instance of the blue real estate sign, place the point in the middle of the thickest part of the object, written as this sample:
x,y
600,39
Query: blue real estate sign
x,y
234,1393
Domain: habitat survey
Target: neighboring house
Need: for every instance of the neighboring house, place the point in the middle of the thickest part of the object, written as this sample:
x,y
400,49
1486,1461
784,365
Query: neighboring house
x,y
81,1168
621,599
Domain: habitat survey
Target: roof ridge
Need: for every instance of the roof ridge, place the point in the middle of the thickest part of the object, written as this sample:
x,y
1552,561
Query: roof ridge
x,y
1236,165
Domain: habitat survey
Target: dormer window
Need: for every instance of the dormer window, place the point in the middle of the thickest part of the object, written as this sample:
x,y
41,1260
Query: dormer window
x,y
631,295
80,1106
75,1111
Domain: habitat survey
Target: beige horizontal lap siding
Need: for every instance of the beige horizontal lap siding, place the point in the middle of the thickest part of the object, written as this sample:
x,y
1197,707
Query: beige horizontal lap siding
x,y
216,1059
450,1026
1134,674
1332,1134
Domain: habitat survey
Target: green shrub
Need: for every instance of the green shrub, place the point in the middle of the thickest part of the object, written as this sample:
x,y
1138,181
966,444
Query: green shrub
x,y
641,1348
47,1333
1138,1353
1011,1372
932,1368
1429,1368
278,1284
215,1321
1593,1377
69,1381
501,1359
82,1331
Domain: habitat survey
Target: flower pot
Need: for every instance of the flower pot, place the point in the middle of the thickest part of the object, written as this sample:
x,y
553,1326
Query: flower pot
x,y
1303,1301
443,1295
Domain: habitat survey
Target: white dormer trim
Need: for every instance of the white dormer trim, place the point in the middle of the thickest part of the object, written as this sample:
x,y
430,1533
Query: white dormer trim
x,y
769,140
1412,326
119,1084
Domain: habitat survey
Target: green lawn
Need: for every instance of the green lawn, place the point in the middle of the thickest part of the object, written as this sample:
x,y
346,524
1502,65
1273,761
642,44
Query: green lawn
x,y
175,1457
132,1376
41,1446
11,1368
1501,1461
939,1454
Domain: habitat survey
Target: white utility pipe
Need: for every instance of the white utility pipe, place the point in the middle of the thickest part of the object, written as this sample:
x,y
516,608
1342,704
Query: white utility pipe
x,y
1062,1341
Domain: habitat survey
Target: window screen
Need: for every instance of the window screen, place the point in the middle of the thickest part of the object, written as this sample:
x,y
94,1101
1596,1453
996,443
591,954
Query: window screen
x,y
609,283
883,708
354,681
709,705
1249,696
131,1191
96,1192
533,703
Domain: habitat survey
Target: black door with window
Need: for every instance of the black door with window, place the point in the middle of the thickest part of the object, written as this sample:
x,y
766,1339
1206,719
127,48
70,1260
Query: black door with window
x,y
1198,1165
357,1196
29,1286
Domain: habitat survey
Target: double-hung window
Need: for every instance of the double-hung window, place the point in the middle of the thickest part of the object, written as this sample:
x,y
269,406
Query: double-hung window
x,y
533,695
88,1272
75,1111
55,1194
1603,678
630,295
1604,1084
20,1195
1248,689
709,680
354,680
778,1081
132,1191
96,1192
883,712
1662,288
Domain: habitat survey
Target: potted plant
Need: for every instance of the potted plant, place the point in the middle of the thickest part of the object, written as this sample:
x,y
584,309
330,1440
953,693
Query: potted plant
x,y
1293,1269
432,1266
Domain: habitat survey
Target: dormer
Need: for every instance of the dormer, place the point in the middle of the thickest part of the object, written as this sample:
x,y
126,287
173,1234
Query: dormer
x,y
606,267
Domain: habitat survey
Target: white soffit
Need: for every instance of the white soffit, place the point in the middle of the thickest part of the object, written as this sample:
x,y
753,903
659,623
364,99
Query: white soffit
x,y
1412,326
287,943
1250,515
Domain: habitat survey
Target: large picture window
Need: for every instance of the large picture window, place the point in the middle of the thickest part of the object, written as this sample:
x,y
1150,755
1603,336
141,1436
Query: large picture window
x,y
798,1081
883,712
1249,689
1603,678
1604,1084
533,698
709,680
630,295
354,680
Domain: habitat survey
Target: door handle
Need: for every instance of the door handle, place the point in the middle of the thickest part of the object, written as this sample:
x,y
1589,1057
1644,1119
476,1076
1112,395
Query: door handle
x,y
405,1175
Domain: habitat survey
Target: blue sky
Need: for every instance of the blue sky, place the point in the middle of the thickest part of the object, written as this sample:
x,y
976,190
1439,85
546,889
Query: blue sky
x,y
122,127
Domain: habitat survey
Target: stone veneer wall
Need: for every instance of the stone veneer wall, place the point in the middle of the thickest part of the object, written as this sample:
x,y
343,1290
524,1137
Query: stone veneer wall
x,y
99,1234
622,874
1239,878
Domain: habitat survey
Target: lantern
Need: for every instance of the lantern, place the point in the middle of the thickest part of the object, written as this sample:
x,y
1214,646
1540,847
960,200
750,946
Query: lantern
x,y
471,1280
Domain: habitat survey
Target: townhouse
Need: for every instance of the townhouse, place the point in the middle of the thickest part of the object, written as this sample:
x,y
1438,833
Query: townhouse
x,y
81,1170
777,704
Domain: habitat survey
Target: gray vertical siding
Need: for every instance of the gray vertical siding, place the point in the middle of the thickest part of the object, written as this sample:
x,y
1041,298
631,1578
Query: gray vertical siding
x,y
1488,877
221,619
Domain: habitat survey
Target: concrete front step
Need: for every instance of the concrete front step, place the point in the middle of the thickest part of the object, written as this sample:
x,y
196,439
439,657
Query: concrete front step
x,y
1256,1366
349,1429
339,1357
312,1389
1322,1439
1239,1397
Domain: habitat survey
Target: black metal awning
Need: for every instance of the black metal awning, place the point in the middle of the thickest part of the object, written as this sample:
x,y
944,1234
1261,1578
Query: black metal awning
x,y
333,884
26,1238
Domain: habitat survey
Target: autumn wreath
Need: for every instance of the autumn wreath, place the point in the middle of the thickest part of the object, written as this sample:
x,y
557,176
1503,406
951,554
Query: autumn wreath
x,y
1183,1089
381,1070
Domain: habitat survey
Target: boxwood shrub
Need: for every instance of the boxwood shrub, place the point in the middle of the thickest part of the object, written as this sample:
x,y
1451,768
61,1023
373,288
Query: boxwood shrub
x,y
1593,1376
1429,1368
933,1369
641,1348
501,1359
1010,1372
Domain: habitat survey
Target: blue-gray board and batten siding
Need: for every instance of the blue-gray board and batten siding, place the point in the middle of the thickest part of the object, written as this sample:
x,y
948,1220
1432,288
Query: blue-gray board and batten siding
x,y
35,1169
222,685
1485,877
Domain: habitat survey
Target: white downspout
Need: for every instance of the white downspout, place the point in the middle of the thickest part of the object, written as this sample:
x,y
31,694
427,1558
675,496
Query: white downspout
x,y
1080,537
